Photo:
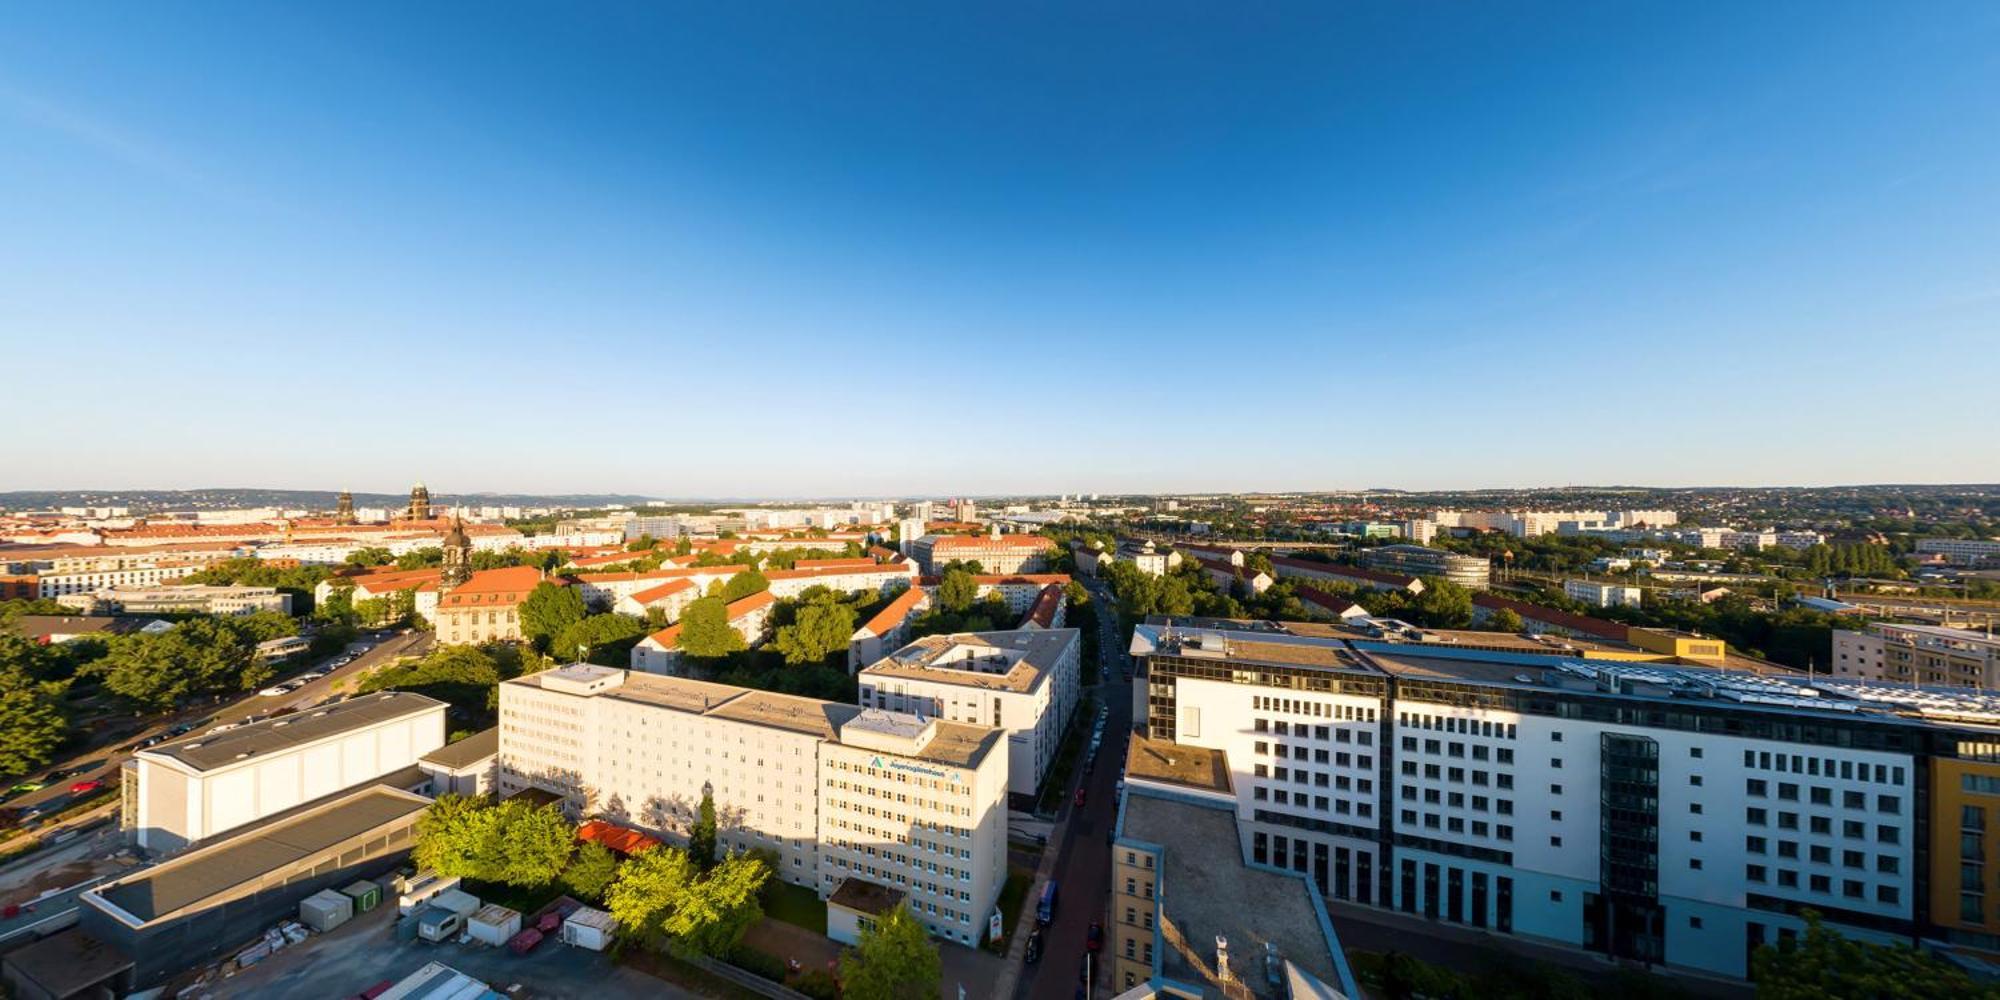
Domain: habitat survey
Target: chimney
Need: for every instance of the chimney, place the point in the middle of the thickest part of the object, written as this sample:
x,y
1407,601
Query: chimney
x,y
1222,959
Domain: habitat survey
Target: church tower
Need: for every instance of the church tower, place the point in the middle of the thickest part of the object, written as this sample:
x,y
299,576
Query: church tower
x,y
343,508
457,556
420,503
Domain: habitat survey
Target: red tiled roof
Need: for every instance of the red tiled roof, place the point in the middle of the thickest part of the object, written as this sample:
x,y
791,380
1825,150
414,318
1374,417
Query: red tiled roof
x,y
896,611
1337,605
1046,604
830,563
624,840
1552,616
492,587
670,636
1334,569
668,589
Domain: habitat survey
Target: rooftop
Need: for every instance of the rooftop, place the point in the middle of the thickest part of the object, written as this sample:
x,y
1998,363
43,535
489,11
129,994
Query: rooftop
x,y
468,752
863,896
1208,893
1014,660
896,611
218,750
1174,763
250,857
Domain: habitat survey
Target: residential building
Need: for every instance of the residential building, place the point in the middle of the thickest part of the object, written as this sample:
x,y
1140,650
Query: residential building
x,y
994,552
660,653
1050,610
1677,815
1961,551
1026,681
835,792
1418,560
1147,559
908,531
859,575
467,767
1228,576
374,585
1917,654
1191,916
1322,605
51,629
199,786
1603,595
1539,620
487,608
888,629
1020,592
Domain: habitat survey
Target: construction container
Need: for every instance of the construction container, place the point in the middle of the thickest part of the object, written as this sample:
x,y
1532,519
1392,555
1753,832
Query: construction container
x,y
418,891
493,924
437,923
324,910
588,928
458,901
366,895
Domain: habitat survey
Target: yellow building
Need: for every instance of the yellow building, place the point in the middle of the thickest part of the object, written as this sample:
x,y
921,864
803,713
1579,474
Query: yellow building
x,y
1678,644
1965,826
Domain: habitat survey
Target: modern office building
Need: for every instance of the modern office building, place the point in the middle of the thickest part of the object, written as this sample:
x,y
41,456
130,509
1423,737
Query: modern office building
x,y
1420,560
1961,551
1027,682
197,787
185,597
1647,811
1918,654
1604,595
834,791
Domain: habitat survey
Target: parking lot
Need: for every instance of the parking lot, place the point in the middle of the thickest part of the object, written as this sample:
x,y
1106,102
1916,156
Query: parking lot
x,y
365,951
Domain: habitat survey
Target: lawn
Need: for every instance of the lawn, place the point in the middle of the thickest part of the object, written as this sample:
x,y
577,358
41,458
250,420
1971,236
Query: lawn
x,y
1012,895
795,905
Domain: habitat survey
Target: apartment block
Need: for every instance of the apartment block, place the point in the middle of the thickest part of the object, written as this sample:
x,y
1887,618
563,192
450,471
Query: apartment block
x,y
915,805
1917,654
1603,595
1026,682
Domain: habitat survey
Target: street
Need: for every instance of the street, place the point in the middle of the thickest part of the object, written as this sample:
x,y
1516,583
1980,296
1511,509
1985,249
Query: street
x,y
1083,868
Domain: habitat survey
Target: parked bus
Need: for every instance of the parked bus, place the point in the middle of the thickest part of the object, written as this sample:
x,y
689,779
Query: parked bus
x,y
1045,911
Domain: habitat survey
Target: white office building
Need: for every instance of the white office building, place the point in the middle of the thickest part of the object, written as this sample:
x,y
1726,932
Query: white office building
x,y
1603,595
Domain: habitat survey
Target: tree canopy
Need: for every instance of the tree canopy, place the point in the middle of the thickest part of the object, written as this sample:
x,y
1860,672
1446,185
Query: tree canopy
x,y
516,843
548,610
606,639
705,629
32,721
893,960
743,584
822,629
1822,964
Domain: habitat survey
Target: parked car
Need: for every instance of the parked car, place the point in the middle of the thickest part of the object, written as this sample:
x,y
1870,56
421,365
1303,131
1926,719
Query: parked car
x,y
1035,946
310,676
275,691
1079,798
86,787
1093,939
30,785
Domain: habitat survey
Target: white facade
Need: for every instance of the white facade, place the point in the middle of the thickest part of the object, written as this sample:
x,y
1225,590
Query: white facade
x,y
834,791
1961,551
200,786
1027,682
1603,595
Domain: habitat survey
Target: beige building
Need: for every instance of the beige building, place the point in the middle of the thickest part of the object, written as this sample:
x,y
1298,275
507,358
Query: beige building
x,y
487,607
185,597
835,791
996,553
1921,654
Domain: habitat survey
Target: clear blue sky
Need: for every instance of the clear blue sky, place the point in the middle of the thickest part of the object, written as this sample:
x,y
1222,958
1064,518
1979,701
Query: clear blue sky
x,y
841,248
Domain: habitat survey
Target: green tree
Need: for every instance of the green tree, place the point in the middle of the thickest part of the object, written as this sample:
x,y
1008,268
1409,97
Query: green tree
x,y
370,556
1505,620
744,584
705,629
590,872
823,628
606,639
454,837
646,892
32,723
1824,965
957,590
527,845
1443,604
717,908
701,838
465,676
548,610
643,543
894,960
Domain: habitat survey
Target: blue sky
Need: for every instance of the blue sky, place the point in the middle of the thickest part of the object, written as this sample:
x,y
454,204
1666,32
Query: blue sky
x,y
799,249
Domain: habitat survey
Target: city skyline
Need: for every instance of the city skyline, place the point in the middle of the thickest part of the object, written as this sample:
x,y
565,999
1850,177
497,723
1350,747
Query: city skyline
x,y
705,252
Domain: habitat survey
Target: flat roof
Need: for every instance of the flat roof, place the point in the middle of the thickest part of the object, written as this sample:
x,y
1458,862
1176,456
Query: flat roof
x,y
1206,891
962,658
1178,764
219,750
204,873
863,896
67,963
482,745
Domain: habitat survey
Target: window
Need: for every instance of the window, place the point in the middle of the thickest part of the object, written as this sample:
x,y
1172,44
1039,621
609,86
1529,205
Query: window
x,y
1694,863
1754,873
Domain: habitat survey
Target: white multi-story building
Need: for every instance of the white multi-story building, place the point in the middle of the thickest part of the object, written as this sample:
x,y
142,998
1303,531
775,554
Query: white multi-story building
x,y
908,531
836,792
994,552
1027,682
1604,595
857,575
1671,814
229,600
1961,551
199,786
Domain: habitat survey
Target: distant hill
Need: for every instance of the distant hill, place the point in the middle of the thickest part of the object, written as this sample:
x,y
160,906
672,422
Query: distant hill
x,y
142,501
